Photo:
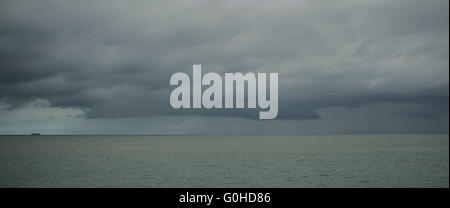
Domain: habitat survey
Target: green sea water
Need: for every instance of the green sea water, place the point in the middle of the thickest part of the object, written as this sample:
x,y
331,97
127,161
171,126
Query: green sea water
x,y
225,161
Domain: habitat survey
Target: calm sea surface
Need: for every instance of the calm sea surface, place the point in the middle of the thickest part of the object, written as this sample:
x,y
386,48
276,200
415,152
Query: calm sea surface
x,y
225,161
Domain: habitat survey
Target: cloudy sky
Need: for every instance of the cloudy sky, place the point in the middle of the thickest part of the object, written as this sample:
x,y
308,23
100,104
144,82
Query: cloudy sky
x,y
103,67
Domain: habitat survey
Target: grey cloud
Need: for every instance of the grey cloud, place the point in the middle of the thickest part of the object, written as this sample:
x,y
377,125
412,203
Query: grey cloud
x,y
115,57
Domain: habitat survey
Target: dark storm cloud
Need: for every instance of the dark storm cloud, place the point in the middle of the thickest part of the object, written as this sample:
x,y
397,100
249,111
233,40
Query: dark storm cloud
x,y
115,58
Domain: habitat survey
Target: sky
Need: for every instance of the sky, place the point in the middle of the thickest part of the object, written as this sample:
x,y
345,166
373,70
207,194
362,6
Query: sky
x,y
103,67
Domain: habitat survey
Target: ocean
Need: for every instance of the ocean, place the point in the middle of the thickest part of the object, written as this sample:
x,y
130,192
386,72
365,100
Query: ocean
x,y
225,161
